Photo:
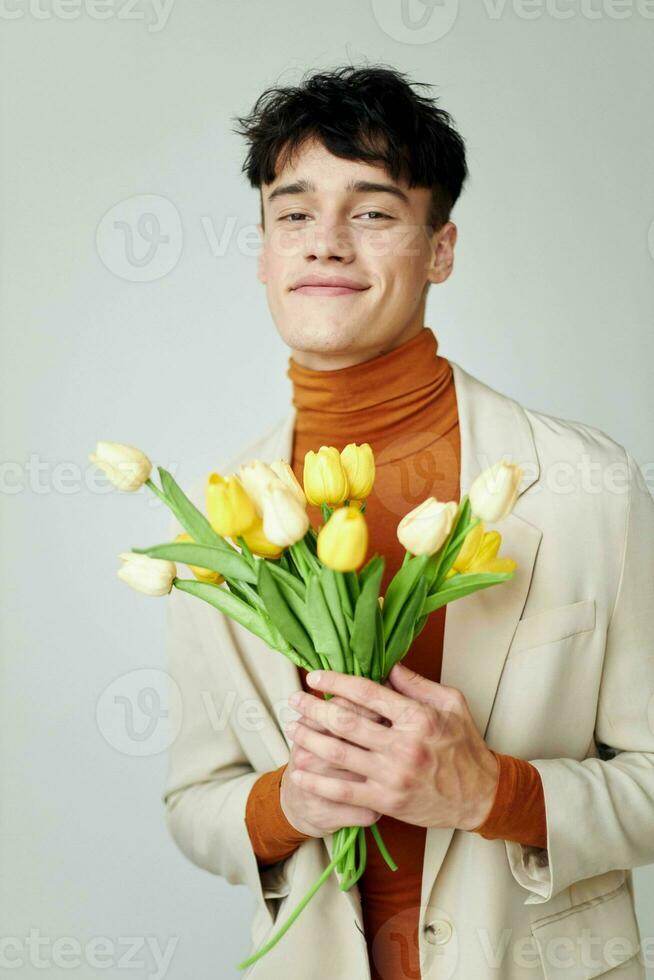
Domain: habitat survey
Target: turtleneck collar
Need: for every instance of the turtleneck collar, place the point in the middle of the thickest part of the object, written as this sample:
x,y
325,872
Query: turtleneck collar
x,y
388,393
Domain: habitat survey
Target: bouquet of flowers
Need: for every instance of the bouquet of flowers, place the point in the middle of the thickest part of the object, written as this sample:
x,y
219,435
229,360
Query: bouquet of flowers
x,y
306,591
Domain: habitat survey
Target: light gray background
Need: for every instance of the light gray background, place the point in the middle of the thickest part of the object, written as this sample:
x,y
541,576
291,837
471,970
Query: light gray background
x,y
550,301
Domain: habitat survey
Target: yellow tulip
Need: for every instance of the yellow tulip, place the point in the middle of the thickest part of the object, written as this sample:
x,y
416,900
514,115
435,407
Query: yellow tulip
x,y
424,529
359,465
478,554
258,543
203,574
285,519
152,576
229,508
127,467
343,541
285,473
325,479
495,491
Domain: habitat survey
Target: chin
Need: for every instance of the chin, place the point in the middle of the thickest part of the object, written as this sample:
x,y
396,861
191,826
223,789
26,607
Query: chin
x,y
321,336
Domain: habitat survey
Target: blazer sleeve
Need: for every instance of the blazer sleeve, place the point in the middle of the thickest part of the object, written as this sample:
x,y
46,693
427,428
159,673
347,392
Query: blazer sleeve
x,y
617,790
209,777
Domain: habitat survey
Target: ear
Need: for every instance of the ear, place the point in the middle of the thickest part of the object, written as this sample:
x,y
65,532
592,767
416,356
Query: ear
x,y
442,245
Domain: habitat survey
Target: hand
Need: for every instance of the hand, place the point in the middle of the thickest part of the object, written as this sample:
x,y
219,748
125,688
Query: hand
x,y
315,815
430,768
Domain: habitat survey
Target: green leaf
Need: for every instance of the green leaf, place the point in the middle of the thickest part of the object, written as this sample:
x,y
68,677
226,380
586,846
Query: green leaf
x,y
459,586
291,581
323,632
191,519
344,594
402,635
333,598
368,569
378,667
220,597
363,634
353,587
229,563
453,547
281,615
402,585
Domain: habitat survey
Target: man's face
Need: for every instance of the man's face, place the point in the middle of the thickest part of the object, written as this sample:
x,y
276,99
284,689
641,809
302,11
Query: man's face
x,y
319,224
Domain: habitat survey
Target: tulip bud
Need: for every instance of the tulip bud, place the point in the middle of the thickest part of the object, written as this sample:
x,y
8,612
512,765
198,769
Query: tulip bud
x,y
127,468
285,473
254,476
343,541
258,543
285,519
153,576
229,508
325,479
203,574
425,528
494,492
359,465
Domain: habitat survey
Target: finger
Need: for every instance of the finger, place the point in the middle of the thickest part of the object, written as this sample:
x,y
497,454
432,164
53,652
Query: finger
x,y
343,721
350,816
338,790
343,702
304,759
335,751
366,712
363,691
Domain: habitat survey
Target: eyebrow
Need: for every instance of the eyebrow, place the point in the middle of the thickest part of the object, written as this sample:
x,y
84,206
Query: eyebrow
x,y
354,186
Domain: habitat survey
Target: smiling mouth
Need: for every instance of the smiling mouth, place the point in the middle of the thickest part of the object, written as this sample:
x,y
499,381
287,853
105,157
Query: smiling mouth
x,y
329,290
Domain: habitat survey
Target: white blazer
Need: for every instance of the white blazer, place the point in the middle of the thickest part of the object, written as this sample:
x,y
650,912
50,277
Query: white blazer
x,y
557,666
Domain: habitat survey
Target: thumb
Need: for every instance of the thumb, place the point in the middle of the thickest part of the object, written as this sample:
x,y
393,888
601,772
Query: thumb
x,y
409,682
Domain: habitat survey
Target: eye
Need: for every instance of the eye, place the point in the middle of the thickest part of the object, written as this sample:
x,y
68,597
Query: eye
x,y
293,214
379,213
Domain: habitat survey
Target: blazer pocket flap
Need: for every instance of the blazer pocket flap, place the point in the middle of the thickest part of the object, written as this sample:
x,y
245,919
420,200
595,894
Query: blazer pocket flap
x,y
554,624
590,939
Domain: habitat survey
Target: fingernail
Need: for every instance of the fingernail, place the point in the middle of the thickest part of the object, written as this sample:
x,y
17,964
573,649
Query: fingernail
x,y
314,678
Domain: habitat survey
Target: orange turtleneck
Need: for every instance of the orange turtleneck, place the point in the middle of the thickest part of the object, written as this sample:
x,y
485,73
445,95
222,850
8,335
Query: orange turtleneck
x,y
404,404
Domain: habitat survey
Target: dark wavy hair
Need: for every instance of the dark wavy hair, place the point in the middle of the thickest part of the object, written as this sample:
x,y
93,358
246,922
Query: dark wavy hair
x,y
359,113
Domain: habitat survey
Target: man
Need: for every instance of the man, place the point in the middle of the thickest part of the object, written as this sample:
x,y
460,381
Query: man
x,y
510,761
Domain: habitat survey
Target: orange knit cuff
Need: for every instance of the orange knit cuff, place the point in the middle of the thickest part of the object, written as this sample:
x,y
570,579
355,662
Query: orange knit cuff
x,y
518,810
273,838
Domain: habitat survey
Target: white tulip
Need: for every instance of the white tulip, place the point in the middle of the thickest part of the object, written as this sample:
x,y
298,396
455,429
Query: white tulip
x,y
494,492
127,468
285,519
153,576
285,473
254,476
424,529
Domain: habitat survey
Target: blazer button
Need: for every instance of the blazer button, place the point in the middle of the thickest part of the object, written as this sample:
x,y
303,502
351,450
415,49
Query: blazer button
x,y
438,932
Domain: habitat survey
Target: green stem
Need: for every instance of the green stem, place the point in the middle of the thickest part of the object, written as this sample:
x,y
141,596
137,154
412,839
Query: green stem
x,y
155,489
298,909
374,829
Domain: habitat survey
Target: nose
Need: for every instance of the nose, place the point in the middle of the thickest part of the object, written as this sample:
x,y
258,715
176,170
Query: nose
x,y
328,238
